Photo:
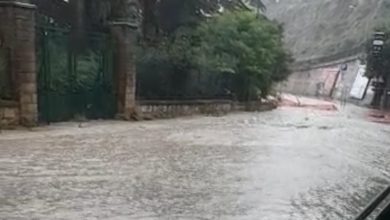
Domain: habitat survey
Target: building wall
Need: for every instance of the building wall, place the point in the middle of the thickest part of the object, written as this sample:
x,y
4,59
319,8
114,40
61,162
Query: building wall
x,y
325,81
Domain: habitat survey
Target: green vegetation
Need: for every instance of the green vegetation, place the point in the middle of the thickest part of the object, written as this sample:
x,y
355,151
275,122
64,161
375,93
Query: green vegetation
x,y
236,54
247,46
193,49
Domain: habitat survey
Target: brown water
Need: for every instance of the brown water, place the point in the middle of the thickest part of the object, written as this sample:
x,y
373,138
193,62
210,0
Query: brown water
x,y
286,164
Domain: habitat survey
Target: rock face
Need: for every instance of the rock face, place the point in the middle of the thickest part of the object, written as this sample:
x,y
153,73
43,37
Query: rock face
x,y
318,28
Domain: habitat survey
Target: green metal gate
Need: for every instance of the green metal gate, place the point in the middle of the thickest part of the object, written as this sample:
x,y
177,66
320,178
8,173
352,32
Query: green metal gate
x,y
74,83
5,76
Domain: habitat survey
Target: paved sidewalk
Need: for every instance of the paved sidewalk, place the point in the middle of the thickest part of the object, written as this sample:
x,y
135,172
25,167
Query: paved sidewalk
x,y
373,115
379,116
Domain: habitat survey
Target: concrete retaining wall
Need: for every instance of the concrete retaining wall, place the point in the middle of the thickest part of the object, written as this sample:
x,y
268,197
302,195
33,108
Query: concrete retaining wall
x,y
321,81
171,109
325,81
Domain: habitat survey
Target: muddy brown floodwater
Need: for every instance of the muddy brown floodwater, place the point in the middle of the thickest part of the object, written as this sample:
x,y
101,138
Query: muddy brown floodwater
x,y
285,164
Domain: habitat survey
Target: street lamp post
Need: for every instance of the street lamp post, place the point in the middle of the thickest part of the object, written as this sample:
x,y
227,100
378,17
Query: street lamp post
x,y
378,43
378,82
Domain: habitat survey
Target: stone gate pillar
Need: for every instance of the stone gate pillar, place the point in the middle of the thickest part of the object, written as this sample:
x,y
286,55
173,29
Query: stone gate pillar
x,y
17,33
123,35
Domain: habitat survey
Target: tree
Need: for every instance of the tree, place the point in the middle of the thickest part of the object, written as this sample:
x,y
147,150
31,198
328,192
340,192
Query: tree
x,y
165,16
246,46
159,17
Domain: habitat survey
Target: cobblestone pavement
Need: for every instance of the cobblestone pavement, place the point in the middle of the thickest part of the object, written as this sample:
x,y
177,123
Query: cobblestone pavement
x,y
285,164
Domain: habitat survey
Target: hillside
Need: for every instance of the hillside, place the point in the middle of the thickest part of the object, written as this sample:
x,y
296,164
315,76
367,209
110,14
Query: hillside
x,y
318,28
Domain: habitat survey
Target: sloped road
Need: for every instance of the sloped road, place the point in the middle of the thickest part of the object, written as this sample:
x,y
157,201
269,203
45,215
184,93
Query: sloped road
x,y
285,164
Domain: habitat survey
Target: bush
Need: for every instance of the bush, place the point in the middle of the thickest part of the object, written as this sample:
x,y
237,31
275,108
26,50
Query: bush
x,y
246,46
235,54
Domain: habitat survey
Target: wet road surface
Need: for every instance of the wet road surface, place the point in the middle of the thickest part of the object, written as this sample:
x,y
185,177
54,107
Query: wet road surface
x,y
285,164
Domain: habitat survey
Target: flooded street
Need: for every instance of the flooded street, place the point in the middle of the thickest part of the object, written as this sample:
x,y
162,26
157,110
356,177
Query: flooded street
x,y
286,164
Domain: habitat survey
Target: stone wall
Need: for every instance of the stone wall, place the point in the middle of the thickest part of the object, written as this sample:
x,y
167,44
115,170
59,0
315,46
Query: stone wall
x,y
124,68
171,109
9,114
17,34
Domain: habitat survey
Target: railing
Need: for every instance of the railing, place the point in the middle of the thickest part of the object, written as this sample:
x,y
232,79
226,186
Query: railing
x,y
373,205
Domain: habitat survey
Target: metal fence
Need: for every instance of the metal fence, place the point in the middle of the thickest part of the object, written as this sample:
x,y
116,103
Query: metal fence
x,y
74,82
5,75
